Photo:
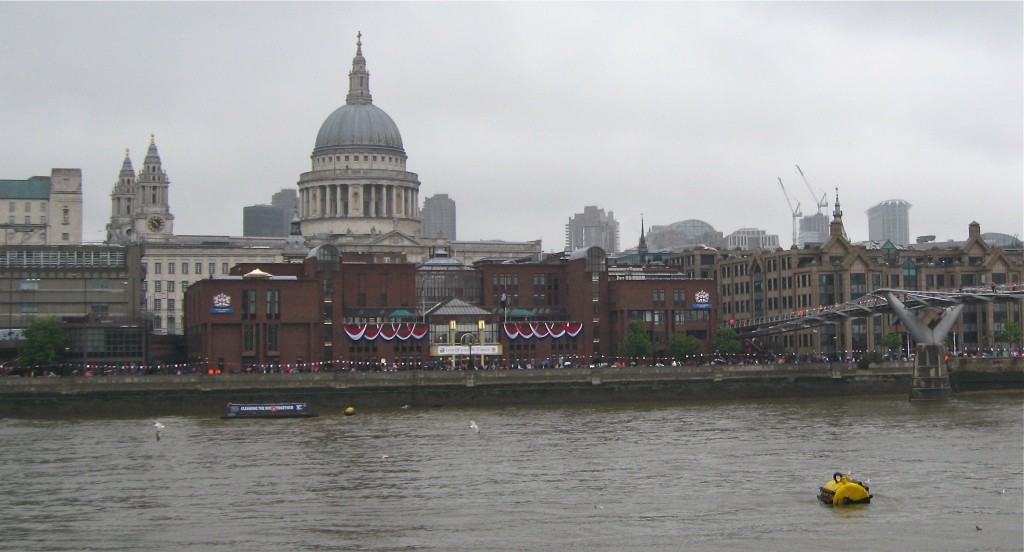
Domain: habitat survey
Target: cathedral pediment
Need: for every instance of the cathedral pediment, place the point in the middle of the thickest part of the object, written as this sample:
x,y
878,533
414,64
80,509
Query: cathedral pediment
x,y
395,238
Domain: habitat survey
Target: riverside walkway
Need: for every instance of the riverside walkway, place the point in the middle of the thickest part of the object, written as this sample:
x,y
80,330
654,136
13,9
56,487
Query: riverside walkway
x,y
332,391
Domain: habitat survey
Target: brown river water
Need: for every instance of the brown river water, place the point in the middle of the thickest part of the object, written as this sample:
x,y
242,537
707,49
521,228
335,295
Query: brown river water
x,y
716,475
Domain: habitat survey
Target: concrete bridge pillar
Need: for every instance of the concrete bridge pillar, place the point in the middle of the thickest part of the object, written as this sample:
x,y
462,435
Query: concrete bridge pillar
x,y
931,375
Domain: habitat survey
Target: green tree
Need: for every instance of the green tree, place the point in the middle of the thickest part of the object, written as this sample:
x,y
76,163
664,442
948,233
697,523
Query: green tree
x,y
637,343
43,344
682,345
1011,335
726,341
892,341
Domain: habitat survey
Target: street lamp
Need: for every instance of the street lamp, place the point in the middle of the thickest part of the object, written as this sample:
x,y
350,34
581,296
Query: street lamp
x,y
480,324
451,339
468,339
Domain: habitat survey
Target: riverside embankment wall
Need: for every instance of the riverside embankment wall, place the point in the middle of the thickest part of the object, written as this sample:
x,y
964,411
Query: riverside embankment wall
x,y
331,392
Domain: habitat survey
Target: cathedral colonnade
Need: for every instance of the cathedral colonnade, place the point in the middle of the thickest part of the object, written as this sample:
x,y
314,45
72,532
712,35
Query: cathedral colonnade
x,y
357,200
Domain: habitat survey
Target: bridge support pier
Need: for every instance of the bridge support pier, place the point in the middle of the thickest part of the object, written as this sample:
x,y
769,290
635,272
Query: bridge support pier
x,y
931,375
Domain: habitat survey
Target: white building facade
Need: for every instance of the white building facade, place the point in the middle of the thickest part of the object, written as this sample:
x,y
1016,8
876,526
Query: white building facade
x,y
751,238
43,210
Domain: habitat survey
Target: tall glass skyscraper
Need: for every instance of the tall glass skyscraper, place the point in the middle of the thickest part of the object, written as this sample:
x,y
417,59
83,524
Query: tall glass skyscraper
x,y
890,220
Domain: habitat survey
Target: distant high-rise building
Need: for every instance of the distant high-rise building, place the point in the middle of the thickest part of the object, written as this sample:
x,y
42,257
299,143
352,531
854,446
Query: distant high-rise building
x,y
684,234
270,221
890,220
265,221
813,229
286,199
592,228
438,217
752,238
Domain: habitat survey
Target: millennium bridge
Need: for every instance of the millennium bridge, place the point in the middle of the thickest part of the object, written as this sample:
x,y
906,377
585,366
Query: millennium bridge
x,y
880,301
915,309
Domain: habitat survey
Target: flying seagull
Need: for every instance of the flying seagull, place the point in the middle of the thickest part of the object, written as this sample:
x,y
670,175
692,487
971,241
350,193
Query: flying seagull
x,y
159,427
473,426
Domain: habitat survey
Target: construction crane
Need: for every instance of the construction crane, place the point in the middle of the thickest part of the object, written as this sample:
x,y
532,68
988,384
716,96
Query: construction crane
x,y
823,202
796,212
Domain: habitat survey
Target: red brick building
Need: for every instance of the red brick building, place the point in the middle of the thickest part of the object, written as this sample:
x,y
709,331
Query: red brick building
x,y
304,316
584,290
330,314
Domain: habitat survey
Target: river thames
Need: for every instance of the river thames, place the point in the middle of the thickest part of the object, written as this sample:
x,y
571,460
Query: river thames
x,y
716,475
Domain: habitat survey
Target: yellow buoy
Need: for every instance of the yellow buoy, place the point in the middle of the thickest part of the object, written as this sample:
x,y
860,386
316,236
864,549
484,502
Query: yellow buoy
x,y
843,490
350,411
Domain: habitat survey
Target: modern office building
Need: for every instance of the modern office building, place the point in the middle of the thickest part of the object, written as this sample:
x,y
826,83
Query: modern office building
x,y
43,210
683,234
270,221
813,230
890,221
592,228
287,198
751,238
266,221
438,217
93,291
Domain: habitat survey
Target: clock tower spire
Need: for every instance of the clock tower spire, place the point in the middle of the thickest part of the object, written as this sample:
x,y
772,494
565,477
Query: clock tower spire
x,y
153,218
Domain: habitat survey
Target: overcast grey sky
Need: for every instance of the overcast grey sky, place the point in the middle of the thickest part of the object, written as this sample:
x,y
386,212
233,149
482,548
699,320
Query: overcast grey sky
x,y
524,113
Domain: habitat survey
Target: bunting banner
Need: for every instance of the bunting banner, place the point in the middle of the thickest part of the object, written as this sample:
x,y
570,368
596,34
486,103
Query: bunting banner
x,y
540,330
387,332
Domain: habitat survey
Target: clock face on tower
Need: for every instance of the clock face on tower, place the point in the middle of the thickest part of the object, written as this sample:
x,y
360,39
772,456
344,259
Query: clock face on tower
x,y
155,223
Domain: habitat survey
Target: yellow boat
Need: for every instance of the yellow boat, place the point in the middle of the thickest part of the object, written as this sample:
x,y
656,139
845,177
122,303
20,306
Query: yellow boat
x,y
843,490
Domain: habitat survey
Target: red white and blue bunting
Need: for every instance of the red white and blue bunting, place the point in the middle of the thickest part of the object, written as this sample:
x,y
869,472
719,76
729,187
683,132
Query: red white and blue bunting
x,y
538,330
387,332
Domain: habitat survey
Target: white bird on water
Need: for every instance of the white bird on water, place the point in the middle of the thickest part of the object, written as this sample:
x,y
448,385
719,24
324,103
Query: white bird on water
x,y
473,426
159,427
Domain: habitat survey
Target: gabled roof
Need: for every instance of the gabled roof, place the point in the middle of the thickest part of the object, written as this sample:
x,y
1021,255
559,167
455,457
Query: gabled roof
x,y
458,307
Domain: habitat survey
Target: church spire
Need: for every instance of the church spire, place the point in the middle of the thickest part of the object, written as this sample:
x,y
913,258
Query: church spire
x,y
835,228
641,249
152,157
359,78
127,175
